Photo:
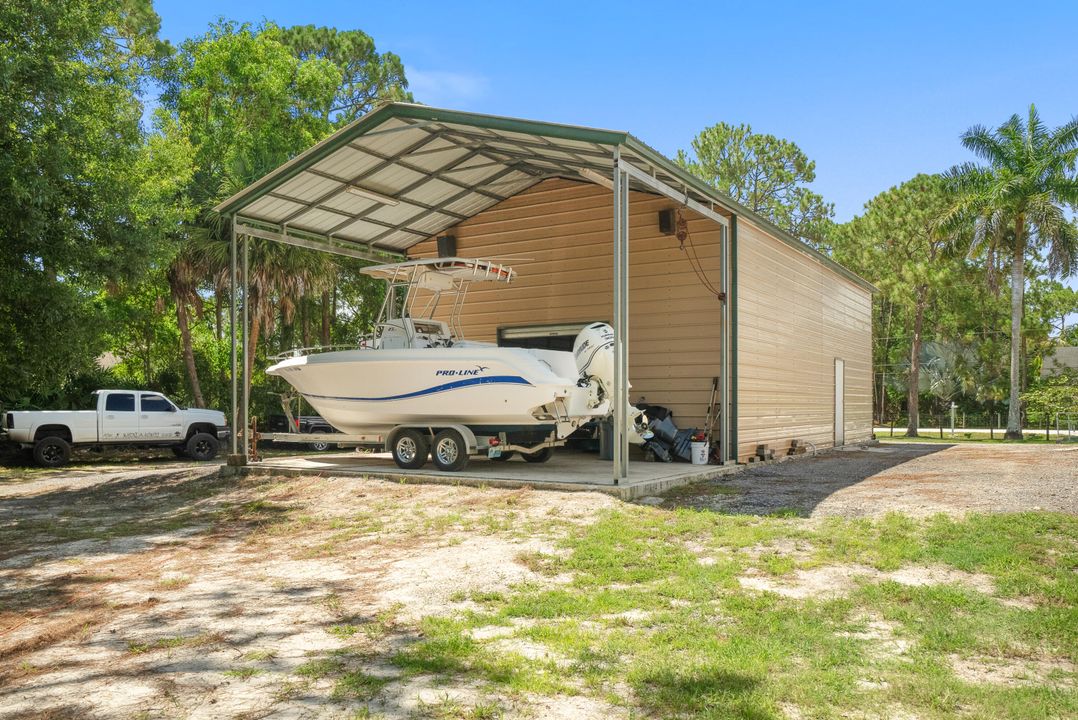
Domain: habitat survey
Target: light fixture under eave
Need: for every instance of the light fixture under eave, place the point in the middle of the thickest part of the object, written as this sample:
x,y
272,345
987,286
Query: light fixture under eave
x,y
371,195
597,178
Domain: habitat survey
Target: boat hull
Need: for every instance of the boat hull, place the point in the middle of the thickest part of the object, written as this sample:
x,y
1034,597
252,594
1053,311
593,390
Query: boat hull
x,y
363,391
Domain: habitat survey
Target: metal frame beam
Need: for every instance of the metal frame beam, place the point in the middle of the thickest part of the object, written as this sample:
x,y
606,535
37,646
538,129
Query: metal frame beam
x,y
376,168
233,439
371,255
448,201
246,273
724,344
682,197
621,320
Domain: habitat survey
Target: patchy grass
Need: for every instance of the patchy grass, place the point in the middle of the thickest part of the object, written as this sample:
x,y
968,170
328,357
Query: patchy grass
x,y
629,612
657,605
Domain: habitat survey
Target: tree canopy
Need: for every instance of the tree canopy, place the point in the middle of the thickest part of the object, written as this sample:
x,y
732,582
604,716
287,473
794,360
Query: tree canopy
x,y
70,75
766,174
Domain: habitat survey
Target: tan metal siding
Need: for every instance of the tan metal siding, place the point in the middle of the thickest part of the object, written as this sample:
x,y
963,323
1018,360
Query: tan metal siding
x,y
558,235
794,318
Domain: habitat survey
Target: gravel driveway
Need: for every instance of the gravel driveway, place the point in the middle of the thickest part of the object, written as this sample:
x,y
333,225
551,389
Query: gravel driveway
x,y
914,478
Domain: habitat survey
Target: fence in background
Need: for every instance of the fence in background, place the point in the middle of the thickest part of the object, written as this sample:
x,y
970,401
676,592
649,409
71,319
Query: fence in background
x,y
1056,425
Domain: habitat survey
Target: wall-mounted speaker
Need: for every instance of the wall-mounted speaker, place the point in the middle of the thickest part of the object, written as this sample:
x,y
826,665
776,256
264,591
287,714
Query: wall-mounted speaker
x,y
667,222
447,246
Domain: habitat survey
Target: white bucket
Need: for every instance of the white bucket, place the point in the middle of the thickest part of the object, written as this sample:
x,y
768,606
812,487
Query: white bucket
x,y
699,453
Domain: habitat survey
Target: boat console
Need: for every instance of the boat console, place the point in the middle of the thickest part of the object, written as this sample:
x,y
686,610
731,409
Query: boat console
x,y
408,333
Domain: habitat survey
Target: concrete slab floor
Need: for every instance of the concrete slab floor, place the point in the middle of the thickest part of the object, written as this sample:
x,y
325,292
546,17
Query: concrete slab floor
x,y
566,470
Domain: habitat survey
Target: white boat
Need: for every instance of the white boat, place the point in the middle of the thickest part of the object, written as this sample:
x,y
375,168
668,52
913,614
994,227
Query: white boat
x,y
419,383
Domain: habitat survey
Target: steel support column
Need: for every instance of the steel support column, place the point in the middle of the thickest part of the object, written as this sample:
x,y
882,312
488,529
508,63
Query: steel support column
x,y
621,320
233,438
246,348
724,345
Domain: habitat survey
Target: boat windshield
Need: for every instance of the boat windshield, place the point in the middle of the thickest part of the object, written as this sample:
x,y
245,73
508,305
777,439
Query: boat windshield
x,y
415,290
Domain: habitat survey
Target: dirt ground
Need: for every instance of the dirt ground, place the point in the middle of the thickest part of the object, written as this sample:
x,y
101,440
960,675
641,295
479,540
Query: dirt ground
x,y
173,593
914,478
166,591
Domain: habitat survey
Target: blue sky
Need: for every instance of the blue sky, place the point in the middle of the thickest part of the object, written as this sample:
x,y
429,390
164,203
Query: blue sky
x,y
873,93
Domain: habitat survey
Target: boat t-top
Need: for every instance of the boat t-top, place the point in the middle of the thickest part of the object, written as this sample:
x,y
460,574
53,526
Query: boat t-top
x,y
425,391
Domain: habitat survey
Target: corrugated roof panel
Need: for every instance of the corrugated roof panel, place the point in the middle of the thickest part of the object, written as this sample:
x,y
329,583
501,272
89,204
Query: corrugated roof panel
x,y
271,208
551,164
470,162
438,160
396,214
391,143
513,148
433,192
518,136
392,179
346,163
507,186
470,129
349,203
433,223
317,220
307,187
470,204
507,180
475,176
360,230
399,240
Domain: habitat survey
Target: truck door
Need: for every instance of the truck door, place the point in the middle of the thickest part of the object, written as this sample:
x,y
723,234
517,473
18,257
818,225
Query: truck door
x,y
158,418
119,421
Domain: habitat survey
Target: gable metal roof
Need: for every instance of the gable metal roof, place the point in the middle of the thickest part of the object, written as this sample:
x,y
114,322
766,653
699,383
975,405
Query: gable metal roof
x,y
404,173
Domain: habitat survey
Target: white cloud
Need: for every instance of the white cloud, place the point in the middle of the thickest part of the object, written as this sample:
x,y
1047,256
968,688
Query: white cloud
x,y
439,87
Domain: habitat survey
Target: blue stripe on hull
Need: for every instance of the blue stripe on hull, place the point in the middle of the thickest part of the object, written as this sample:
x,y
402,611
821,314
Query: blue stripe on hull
x,y
456,385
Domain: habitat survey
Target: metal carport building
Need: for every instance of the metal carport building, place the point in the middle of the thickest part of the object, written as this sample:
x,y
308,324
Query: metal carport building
x,y
785,329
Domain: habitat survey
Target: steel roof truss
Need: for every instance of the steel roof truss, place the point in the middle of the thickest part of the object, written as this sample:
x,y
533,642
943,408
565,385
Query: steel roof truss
x,y
386,162
452,199
428,208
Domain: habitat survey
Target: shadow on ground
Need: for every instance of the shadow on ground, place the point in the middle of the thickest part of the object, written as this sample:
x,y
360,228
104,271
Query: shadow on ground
x,y
800,485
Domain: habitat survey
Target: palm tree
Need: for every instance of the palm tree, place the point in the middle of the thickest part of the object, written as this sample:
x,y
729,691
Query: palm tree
x,y
1017,203
183,280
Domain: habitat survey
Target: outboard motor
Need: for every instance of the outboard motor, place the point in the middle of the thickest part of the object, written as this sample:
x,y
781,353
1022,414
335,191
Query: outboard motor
x,y
593,351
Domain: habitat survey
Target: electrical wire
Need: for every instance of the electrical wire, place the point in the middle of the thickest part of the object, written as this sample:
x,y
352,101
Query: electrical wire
x,y
681,232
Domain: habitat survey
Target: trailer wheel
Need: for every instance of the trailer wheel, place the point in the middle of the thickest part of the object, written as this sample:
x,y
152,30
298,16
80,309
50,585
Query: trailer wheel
x,y
51,452
410,449
319,446
539,456
504,456
202,447
449,451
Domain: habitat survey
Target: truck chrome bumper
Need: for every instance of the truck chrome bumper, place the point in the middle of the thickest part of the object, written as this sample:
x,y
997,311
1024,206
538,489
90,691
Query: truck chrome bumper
x,y
223,433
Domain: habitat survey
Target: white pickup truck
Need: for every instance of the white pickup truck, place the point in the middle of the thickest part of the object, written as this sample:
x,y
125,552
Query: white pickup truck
x,y
118,418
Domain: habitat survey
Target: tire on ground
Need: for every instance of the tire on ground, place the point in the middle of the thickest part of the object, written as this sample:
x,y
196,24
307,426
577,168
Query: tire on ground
x,y
410,449
202,447
52,452
449,451
539,456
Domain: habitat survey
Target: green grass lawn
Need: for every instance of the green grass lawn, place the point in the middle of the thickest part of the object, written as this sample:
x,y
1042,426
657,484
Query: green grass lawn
x,y
657,618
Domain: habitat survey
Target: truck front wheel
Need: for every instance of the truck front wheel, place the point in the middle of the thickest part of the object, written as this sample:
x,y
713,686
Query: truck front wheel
x,y
51,452
202,446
